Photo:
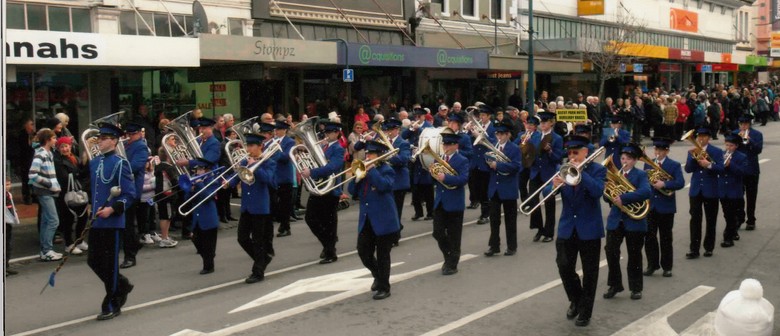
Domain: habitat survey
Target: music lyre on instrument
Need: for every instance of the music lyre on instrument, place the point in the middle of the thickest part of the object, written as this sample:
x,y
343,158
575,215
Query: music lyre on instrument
x,y
697,152
616,185
656,173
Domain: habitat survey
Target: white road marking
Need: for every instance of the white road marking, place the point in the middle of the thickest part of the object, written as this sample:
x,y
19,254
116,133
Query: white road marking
x,y
501,305
763,161
244,326
703,326
656,323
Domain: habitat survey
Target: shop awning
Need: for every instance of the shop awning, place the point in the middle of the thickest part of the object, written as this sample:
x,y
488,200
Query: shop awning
x,y
541,64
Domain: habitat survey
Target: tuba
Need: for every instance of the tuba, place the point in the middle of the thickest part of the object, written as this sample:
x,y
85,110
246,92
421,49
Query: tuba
x,y
181,127
176,152
697,152
617,185
309,155
89,138
235,148
656,173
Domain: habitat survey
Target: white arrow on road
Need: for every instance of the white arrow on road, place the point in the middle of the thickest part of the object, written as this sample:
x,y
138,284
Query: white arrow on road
x,y
656,323
337,282
315,304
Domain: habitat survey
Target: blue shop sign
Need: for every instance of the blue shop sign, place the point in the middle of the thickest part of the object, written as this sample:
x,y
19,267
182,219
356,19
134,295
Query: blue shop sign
x,y
415,57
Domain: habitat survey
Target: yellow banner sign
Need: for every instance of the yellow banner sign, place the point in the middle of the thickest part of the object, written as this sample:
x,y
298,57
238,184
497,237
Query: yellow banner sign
x,y
590,7
571,115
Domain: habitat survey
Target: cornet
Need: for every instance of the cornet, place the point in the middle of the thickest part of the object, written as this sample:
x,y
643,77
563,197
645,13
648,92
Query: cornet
x,y
614,137
745,137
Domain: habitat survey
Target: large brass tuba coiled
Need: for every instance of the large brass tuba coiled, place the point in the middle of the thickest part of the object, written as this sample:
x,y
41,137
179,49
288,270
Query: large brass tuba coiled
x,y
309,155
697,152
656,173
617,185
176,152
89,138
236,148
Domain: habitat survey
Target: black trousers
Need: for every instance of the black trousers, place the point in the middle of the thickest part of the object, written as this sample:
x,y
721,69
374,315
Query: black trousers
x,y
273,194
323,221
478,188
142,218
730,207
510,220
399,196
253,236
448,230
223,203
68,219
422,193
282,206
525,177
374,252
659,231
750,183
131,245
581,293
103,259
548,225
710,206
205,242
634,242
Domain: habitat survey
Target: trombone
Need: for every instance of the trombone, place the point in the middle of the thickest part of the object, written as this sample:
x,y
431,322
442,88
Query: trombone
x,y
247,174
570,173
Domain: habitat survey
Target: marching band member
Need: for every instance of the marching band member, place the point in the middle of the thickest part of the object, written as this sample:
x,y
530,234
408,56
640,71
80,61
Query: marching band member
x,y
548,157
580,232
615,140
585,130
449,204
209,145
321,214
730,181
285,176
422,190
479,172
752,148
400,165
255,225
704,193
503,193
530,137
109,170
378,224
455,123
620,225
205,222
660,221
135,216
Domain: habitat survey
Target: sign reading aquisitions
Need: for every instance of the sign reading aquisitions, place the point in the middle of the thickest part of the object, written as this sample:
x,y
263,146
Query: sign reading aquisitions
x,y
416,57
266,49
84,49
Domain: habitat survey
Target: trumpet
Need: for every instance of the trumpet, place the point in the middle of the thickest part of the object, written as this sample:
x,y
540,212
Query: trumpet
x,y
727,158
656,173
697,152
416,125
614,137
745,137
247,174
570,173
617,185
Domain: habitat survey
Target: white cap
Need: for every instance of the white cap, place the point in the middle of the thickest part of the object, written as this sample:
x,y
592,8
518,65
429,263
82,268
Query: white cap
x,y
745,312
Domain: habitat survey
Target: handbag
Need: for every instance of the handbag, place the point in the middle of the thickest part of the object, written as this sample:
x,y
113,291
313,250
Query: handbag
x,y
75,197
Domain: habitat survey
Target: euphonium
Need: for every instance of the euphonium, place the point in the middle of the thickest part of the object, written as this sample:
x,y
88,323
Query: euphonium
x,y
439,165
309,155
89,138
247,174
181,126
697,152
236,148
177,152
656,173
617,185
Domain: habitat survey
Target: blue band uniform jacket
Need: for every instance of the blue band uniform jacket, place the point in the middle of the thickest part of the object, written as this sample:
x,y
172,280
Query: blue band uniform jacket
x,y
107,171
255,198
285,172
705,181
614,148
211,150
582,205
730,180
534,139
505,179
334,153
477,161
400,164
137,155
661,203
205,215
642,192
376,200
753,148
453,200
547,163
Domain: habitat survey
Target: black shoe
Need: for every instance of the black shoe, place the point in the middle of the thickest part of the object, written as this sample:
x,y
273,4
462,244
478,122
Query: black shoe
x,y
736,237
572,312
449,271
230,218
329,260
510,252
636,295
726,243
417,217
708,253
538,236
223,220
429,217
395,244
300,206
293,220
108,315
611,292
547,239
206,271
750,227
127,264
322,254
491,252
473,205
582,322
668,274
483,220
122,299
254,278
295,217
381,295
649,271
283,233
692,255
374,286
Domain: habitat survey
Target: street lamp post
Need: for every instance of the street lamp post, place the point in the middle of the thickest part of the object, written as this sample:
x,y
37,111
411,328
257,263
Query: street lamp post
x,y
530,90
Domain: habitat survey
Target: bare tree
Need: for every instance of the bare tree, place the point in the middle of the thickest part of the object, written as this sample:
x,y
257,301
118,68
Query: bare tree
x,y
616,46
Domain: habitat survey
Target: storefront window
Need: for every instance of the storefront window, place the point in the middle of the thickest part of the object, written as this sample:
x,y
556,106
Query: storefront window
x,y
59,19
41,95
81,20
36,17
15,17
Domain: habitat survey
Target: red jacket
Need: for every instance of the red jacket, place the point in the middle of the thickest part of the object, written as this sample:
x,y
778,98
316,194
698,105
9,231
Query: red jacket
x,y
683,112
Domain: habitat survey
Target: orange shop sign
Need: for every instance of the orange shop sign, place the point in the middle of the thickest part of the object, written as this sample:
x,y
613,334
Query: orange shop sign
x,y
683,20
590,7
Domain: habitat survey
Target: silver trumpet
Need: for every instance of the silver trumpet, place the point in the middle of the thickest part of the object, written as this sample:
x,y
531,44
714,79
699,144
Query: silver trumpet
x,y
570,174
745,137
614,137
